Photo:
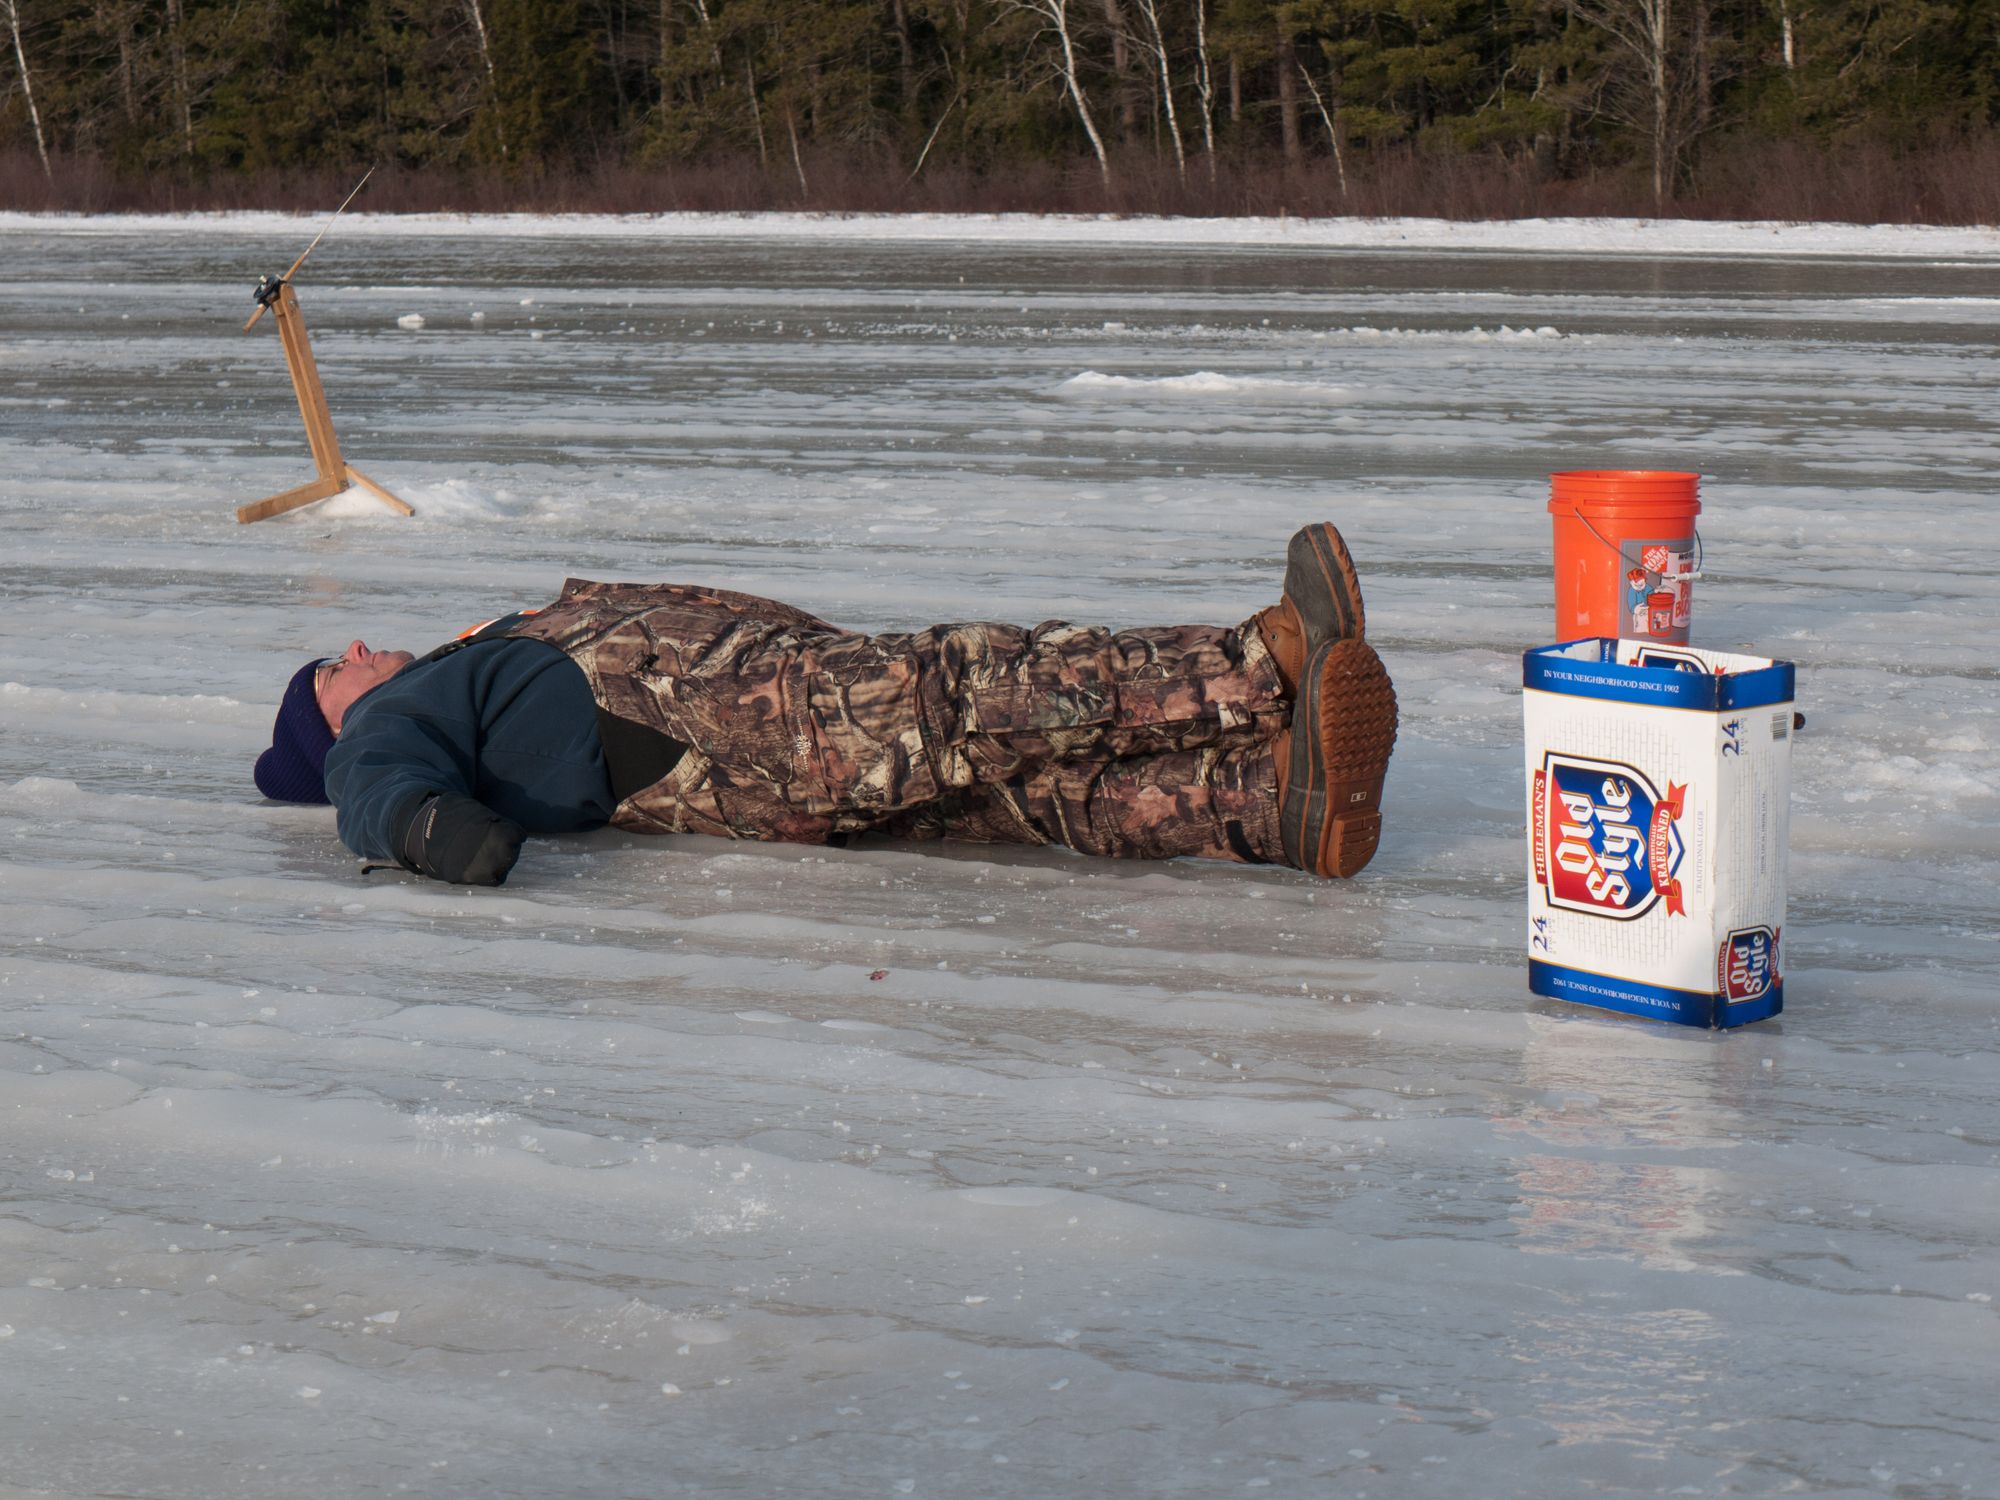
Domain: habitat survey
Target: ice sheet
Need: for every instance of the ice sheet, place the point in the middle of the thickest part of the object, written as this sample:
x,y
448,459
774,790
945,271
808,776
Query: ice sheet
x,y
629,1179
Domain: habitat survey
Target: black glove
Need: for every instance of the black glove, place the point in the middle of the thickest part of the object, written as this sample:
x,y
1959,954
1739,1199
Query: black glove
x,y
456,839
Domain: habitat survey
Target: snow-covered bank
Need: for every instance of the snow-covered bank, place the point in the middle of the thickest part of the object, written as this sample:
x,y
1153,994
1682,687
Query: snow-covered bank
x,y
1596,237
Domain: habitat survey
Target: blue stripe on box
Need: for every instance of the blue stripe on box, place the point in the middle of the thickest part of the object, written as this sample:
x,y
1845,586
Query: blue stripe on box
x,y
1657,1001
1773,684
1755,1010
1594,674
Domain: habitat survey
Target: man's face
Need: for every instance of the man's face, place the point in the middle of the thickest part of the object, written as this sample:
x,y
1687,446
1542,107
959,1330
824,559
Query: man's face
x,y
352,673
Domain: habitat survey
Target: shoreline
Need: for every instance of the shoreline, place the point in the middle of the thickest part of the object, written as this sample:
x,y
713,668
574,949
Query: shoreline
x,y
1709,238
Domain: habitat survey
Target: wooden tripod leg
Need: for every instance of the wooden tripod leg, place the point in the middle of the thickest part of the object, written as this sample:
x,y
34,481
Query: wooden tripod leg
x,y
394,503
277,505
305,381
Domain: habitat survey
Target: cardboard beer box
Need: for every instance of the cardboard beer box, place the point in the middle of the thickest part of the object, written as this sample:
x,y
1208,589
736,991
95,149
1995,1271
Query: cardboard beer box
x,y
1659,788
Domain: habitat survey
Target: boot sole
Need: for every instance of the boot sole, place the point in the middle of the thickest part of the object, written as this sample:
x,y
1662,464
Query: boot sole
x,y
1343,730
1324,588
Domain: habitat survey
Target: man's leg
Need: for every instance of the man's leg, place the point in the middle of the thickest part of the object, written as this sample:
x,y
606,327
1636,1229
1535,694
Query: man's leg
x,y
1215,803
1241,800
843,730
997,700
854,727
803,734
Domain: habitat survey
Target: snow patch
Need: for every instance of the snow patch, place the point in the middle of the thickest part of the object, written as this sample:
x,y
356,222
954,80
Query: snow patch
x,y
1203,383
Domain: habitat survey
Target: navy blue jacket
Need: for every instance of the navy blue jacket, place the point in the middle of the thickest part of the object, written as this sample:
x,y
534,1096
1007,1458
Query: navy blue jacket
x,y
509,722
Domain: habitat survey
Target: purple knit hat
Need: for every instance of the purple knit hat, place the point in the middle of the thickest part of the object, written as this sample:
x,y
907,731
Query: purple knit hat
x,y
294,768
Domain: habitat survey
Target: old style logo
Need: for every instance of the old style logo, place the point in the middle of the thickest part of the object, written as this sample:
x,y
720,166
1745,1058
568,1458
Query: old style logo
x,y
1746,966
1606,841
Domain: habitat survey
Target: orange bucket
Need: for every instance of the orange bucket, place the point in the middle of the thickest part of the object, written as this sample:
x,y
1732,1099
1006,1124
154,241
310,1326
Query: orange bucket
x,y
1627,553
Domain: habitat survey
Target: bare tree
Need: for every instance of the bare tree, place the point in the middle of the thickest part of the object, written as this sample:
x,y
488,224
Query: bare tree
x,y
177,55
1127,94
798,162
1288,96
1156,43
931,139
756,114
906,55
1204,82
1055,18
1326,114
1666,45
13,9
708,32
681,82
492,77
117,21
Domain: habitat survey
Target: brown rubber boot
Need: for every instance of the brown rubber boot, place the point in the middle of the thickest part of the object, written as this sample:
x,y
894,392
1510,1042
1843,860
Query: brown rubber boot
x,y
1285,638
1332,760
1322,602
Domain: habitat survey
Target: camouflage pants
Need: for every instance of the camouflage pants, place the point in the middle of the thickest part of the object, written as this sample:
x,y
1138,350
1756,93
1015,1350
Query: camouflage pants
x,y
1217,803
1144,743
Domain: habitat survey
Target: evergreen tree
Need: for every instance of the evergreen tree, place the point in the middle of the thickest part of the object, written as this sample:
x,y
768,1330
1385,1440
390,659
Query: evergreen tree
x,y
192,90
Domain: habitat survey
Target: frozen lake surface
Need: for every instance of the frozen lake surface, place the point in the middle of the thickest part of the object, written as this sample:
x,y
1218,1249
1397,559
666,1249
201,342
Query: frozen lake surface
x,y
630,1179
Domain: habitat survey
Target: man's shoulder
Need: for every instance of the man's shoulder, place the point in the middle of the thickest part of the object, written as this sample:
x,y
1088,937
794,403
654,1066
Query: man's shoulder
x,y
427,687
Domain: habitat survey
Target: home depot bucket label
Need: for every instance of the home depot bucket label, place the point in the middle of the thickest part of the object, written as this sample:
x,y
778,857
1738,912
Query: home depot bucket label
x,y
1658,785
1659,588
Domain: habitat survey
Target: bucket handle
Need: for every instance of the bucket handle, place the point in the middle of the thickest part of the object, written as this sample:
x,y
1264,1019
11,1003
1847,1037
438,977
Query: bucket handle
x,y
1601,537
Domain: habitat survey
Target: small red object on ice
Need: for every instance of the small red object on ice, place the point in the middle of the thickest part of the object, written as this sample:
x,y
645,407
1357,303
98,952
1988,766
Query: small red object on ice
x,y
879,974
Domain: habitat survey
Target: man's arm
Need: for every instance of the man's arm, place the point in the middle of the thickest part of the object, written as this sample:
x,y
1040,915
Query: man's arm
x,y
386,764
402,783
443,767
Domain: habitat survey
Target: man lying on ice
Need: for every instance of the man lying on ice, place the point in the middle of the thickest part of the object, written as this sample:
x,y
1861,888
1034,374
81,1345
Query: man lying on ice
x,y
662,708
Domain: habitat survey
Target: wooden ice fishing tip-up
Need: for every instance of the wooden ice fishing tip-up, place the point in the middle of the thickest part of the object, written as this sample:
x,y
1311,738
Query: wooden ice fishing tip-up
x,y
335,473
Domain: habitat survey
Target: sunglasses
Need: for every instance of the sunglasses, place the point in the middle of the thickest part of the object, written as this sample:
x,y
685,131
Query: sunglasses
x,y
325,673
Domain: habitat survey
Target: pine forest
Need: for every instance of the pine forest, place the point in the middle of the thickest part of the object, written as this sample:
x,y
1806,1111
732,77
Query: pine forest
x,y
1839,109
